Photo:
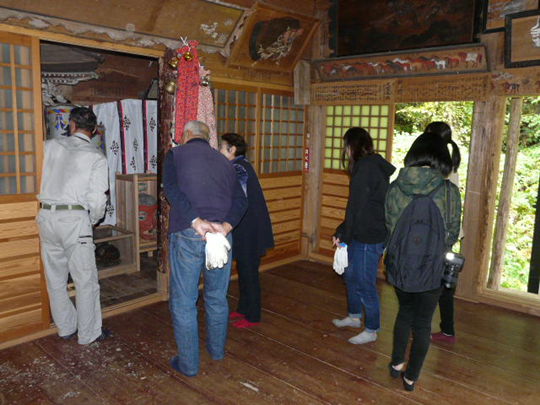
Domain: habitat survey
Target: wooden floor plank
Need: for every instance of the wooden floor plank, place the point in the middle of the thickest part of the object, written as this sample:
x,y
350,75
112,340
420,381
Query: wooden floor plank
x,y
483,348
466,372
29,376
230,381
330,384
295,356
369,363
473,318
118,373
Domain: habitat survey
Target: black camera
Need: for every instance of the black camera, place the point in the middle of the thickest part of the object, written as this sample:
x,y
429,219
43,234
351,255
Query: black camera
x,y
453,263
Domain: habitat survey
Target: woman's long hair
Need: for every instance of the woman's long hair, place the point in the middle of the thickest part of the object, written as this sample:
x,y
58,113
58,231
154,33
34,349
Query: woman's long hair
x,y
357,143
443,130
429,150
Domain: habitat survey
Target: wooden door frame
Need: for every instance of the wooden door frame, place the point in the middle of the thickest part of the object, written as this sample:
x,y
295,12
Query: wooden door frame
x,y
36,37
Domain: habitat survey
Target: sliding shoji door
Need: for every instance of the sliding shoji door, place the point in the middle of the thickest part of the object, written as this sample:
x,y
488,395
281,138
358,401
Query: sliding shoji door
x,y
22,291
378,120
274,129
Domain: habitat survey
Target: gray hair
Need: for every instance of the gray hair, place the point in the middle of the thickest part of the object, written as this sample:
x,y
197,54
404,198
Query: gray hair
x,y
198,129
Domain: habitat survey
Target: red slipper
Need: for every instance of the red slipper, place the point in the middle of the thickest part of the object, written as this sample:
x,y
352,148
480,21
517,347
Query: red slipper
x,y
244,324
441,337
236,315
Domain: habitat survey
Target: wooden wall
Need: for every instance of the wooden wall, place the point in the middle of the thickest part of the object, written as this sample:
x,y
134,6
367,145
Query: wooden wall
x,y
284,197
22,308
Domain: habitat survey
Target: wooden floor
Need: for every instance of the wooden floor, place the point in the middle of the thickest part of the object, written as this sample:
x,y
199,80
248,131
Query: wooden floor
x,y
295,356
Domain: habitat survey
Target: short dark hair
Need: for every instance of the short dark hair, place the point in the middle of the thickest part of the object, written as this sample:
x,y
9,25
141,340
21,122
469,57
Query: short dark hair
x,y
429,150
443,130
440,128
359,143
236,140
84,118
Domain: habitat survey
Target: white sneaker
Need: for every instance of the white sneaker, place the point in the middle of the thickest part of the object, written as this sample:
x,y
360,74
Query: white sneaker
x,y
352,322
364,337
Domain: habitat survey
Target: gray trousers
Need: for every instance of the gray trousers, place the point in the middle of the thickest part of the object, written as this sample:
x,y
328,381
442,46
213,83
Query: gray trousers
x,y
67,247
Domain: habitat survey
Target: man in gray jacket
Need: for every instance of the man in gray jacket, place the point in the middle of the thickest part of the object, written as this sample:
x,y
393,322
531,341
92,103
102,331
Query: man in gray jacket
x,y
72,197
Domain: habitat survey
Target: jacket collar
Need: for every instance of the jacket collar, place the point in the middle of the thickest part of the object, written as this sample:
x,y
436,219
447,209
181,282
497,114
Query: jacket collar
x,y
81,136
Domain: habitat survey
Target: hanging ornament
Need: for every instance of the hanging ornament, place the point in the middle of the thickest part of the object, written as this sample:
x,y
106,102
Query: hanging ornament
x,y
173,63
205,81
170,86
188,56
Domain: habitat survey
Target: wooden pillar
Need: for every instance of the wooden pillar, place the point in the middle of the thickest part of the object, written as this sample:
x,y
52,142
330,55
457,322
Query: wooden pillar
x,y
485,151
312,181
315,139
165,131
505,200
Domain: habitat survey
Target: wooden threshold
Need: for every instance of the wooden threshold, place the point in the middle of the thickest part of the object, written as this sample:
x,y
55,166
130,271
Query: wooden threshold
x,y
106,313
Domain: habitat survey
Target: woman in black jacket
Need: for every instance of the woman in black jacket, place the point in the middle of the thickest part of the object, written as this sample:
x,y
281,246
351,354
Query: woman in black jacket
x,y
364,231
253,235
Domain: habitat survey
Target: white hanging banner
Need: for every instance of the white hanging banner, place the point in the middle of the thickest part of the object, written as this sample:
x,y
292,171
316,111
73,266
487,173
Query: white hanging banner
x,y
109,127
132,135
150,126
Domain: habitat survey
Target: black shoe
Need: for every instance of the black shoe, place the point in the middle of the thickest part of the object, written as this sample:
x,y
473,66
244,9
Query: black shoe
x,y
393,372
105,333
70,336
406,385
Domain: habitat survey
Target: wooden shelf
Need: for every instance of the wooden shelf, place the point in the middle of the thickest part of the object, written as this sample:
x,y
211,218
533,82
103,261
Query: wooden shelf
x,y
128,187
108,233
124,241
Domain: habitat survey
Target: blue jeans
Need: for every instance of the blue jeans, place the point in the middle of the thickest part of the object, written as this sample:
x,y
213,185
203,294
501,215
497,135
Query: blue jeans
x,y
187,259
361,282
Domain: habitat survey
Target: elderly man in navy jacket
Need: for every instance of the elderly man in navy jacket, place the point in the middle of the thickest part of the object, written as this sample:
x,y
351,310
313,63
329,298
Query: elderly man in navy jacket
x,y
205,196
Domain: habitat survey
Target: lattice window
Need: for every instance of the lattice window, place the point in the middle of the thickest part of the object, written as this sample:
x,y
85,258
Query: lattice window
x,y
275,135
236,112
17,129
282,134
376,119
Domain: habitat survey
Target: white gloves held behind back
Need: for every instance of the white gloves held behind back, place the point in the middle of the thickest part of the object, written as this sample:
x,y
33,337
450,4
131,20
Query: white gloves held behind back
x,y
217,250
341,259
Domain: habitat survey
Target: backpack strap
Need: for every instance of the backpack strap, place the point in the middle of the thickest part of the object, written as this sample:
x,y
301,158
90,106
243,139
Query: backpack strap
x,y
432,194
447,195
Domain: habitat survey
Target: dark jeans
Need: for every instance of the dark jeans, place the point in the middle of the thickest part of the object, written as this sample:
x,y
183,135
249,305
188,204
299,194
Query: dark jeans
x,y
249,303
415,312
187,260
446,308
361,282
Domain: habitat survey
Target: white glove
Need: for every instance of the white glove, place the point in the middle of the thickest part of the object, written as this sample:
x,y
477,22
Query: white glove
x,y
341,259
217,250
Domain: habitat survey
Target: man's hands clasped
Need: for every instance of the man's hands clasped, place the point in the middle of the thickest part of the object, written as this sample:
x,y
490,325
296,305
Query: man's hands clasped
x,y
202,226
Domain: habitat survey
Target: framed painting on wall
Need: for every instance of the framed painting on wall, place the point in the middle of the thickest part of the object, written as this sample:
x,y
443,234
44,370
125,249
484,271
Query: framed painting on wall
x,y
367,27
522,42
272,38
496,10
436,61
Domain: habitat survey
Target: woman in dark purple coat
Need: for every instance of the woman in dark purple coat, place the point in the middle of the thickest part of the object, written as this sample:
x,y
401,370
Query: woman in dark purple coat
x,y
253,235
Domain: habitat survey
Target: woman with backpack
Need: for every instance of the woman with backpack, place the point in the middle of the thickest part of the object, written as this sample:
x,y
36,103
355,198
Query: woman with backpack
x,y
415,253
446,302
364,231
